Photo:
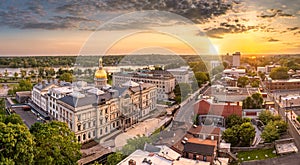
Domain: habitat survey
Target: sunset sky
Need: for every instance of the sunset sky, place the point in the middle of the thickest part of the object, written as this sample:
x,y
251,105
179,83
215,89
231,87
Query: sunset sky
x,y
126,27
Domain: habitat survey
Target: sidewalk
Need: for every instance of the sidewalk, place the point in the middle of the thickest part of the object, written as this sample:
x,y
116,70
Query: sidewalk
x,y
146,128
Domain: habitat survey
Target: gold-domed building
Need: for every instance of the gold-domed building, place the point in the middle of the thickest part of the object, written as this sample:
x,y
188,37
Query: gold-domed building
x,y
100,76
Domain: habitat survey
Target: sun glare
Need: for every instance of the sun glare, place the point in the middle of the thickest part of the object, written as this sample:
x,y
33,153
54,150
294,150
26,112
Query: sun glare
x,y
214,49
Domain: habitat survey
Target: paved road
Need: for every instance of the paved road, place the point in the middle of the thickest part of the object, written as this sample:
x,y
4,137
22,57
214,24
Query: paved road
x,y
28,117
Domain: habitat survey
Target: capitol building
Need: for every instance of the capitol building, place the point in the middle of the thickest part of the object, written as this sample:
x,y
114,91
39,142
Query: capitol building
x,y
95,110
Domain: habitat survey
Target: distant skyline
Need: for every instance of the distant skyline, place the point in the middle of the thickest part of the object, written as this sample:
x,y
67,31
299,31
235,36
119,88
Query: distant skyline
x,y
62,28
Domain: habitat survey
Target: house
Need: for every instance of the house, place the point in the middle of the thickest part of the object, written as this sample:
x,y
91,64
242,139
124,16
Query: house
x,y
211,113
23,96
200,149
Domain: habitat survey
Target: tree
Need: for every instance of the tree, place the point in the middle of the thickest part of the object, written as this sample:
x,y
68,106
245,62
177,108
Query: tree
x,y
114,158
181,91
68,77
279,73
23,74
270,133
55,144
231,135
135,143
234,119
255,83
243,81
13,119
201,77
16,75
281,126
253,102
265,116
247,134
262,75
16,144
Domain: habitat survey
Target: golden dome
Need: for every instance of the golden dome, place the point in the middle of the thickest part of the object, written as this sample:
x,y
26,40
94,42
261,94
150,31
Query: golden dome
x,y
101,74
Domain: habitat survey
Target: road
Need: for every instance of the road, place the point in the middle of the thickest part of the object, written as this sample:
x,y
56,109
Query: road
x,y
186,111
28,117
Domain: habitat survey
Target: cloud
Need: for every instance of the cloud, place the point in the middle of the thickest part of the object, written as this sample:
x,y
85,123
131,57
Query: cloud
x,y
293,28
272,40
74,14
271,13
226,28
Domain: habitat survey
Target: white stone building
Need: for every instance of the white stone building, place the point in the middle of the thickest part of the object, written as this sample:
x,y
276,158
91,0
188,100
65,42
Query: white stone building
x,y
163,80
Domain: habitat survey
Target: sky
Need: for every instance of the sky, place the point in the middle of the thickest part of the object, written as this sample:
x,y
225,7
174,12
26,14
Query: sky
x,y
50,27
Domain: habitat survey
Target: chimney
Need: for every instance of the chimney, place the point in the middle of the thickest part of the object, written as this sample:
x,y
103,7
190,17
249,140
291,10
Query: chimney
x,y
228,103
131,162
238,103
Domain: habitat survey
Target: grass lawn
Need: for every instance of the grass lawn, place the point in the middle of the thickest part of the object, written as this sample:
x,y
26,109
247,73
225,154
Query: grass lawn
x,y
256,155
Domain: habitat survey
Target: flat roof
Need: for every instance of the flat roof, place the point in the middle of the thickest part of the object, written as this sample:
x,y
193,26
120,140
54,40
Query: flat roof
x,y
65,89
203,141
138,156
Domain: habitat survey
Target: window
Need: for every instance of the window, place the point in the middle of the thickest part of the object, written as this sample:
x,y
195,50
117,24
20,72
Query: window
x,y
84,126
105,129
100,131
94,133
78,128
89,135
94,123
204,158
83,138
78,138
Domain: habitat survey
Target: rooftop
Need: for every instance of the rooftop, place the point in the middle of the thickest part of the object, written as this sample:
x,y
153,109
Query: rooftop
x,y
200,146
204,130
139,156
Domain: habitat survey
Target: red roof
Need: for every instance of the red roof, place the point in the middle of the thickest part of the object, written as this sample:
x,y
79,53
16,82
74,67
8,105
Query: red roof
x,y
205,130
204,107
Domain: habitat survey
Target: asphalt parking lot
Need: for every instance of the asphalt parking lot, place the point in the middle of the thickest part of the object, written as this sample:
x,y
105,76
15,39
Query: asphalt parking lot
x,y
28,117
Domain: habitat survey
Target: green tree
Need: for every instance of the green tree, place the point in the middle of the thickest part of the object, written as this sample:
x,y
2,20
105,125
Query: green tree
x,y
231,135
13,119
279,73
234,119
114,158
255,83
135,143
16,144
262,75
181,91
68,77
243,81
247,134
281,126
270,133
16,75
55,144
201,77
265,116
253,102
23,74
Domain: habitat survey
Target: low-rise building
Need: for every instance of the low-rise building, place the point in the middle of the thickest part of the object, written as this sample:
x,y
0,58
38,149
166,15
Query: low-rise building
x,y
211,113
163,80
39,94
182,74
290,84
200,149
23,96
234,73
